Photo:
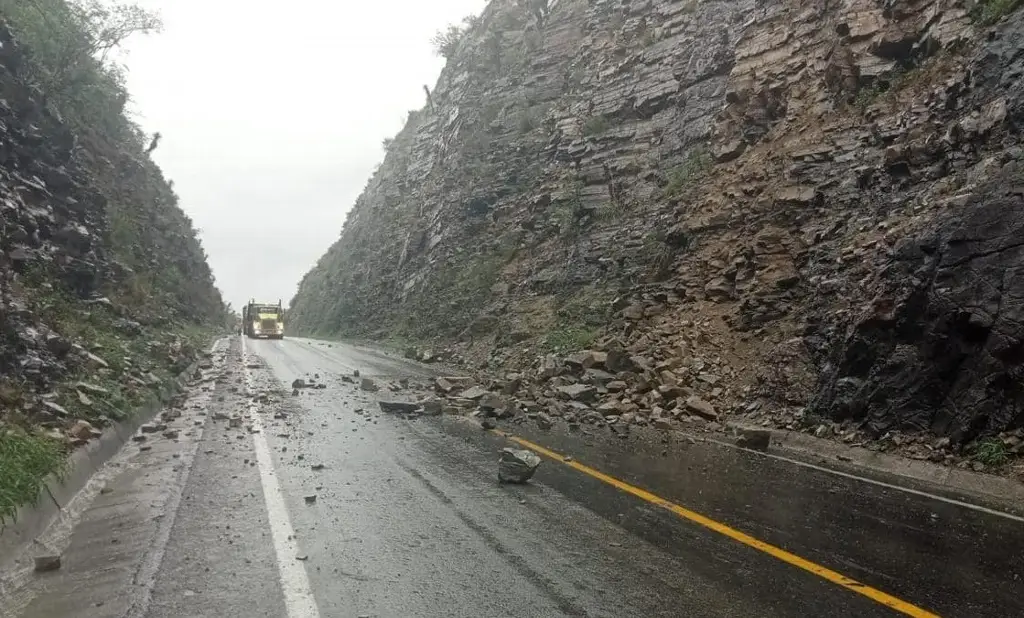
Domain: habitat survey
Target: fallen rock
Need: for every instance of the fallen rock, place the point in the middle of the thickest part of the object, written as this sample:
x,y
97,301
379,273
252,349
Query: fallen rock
x,y
299,383
432,407
517,465
698,406
475,393
544,421
310,499
56,408
47,563
398,407
367,384
664,423
755,439
491,403
83,430
579,392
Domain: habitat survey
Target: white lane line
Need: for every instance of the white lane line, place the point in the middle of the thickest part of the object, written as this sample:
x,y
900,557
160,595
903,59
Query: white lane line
x,y
298,595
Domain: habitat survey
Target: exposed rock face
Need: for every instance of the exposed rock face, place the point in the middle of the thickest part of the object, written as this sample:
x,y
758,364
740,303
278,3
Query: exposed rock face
x,y
796,212
99,267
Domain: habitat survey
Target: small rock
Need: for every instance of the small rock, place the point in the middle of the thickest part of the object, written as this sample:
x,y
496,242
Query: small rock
x,y
310,499
171,434
579,392
433,407
755,439
398,407
317,467
47,563
544,421
368,385
488,424
83,430
698,406
475,393
517,465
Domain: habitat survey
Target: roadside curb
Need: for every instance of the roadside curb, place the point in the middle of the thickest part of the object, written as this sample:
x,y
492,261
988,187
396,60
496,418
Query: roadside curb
x,y
31,520
987,490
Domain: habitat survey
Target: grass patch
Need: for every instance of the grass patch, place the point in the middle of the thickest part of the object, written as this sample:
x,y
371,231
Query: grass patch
x,y
26,459
991,452
569,338
988,12
697,164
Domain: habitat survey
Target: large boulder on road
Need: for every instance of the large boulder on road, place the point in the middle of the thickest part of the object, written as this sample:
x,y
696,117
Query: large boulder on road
x,y
398,407
517,465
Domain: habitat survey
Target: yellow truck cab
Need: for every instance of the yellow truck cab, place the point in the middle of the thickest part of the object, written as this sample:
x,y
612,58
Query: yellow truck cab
x,y
263,320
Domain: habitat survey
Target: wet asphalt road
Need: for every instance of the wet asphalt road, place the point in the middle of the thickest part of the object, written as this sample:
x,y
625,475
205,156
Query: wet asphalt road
x,y
389,517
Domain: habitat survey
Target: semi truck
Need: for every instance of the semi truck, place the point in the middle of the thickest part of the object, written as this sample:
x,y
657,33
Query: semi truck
x,y
263,320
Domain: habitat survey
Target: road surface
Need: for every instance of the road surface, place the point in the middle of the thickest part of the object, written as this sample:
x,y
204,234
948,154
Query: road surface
x,y
320,505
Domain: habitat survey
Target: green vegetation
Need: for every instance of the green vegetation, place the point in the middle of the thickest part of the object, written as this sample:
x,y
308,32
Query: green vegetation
x,y
586,307
991,452
446,42
163,305
570,338
697,164
26,459
988,12
71,46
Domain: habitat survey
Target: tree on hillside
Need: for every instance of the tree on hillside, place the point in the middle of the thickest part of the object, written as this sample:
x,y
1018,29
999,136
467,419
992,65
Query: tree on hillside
x,y
71,43
446,41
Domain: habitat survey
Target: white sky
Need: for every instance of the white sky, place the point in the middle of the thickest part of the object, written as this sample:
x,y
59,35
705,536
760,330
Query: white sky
x,y
272,115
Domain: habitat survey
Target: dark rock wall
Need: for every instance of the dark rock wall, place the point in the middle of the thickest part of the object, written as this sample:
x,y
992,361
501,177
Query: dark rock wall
x,y
88,225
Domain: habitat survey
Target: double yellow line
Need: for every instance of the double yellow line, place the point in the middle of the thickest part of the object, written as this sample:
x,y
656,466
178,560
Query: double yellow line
x,y
874,594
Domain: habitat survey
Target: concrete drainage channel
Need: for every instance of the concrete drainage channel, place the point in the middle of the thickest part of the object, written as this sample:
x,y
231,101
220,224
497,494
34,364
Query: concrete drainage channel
x,y
32,520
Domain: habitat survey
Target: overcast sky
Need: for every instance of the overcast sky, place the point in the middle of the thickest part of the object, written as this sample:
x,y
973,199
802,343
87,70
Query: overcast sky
x,y
272,115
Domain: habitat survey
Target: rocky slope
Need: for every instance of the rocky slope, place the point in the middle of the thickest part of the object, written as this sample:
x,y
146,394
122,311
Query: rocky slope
x,y
788,212
104,288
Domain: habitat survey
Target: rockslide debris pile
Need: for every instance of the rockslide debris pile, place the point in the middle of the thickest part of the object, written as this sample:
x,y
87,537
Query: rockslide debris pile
x,y
791,212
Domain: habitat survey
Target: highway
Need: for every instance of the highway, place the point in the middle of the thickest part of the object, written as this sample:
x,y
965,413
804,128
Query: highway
x,y
319,504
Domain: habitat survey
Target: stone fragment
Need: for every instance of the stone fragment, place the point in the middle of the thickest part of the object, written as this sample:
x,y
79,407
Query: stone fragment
x,y
517,465
696,405
47,563
398,407
754,439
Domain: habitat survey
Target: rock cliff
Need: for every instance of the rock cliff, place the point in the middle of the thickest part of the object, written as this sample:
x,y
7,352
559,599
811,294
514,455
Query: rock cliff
x,y
104,288
793,212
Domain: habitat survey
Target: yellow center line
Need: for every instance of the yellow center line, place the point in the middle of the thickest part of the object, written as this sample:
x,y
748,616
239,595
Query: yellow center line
x,y
825,573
